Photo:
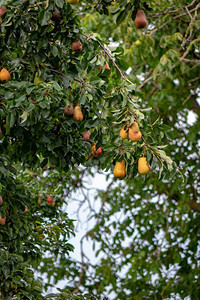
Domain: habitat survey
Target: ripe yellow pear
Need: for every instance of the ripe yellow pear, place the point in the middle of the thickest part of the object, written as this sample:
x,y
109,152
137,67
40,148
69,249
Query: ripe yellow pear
x,y
134,132
119,169
4,75
143,166
124,132
77,115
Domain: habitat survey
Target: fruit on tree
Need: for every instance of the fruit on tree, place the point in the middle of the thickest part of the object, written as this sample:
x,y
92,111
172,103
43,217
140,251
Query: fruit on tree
x,y
124,131
143,166
39,201
2,10
2,220
106,67
86,136
77,115
77,46
72,1
1,200
26,209
119,169
4,75
94,149
50,201
98,152
134,132
56,16
69,110
140,20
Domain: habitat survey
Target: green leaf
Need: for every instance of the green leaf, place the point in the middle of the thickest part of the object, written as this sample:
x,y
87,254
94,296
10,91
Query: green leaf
x,y
24,116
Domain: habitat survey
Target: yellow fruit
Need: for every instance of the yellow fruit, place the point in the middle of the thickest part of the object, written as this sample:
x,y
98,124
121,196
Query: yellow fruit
x,y
124,132
72,1
77,115
134,136
119,169
134,132
4,75
143,166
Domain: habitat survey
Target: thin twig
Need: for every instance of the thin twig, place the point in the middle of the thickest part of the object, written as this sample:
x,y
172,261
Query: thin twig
x,y
114,63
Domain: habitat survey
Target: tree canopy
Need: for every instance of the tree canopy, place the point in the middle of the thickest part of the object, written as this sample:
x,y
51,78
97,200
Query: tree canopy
x,y
86,88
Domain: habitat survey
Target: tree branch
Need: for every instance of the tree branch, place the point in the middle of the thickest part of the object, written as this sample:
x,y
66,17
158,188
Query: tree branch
x,y
110,57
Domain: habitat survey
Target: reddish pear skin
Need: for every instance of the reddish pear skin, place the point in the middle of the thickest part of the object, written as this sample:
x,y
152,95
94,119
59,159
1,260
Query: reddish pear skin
x,y
99,151
26,209
69,110
50,201
106,67
2,220
56,16
2,10
140,20
77,46
86,136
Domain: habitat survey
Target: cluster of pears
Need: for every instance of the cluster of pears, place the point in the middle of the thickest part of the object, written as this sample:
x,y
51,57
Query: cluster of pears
x,y
78,117
75,111
140,19
4,75
132,133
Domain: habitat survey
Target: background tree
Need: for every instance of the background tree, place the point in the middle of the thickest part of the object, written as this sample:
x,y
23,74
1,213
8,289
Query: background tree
x,y
152,250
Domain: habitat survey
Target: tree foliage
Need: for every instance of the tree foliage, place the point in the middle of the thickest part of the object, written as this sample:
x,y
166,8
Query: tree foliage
x,y
146,232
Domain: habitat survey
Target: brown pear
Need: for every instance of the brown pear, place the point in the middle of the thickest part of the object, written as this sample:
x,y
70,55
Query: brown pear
x,y
77,46
77,115
69,110
119,169
134,133
86,136
2,10
4,75
143,166
2,220
56,16
140,20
